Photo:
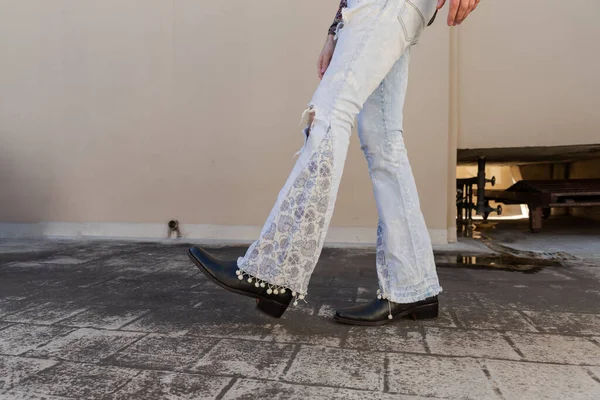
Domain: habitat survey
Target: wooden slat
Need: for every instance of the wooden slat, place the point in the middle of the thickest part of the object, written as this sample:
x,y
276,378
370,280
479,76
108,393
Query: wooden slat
x,y
576,193
542,199
584,204
583,187
551,193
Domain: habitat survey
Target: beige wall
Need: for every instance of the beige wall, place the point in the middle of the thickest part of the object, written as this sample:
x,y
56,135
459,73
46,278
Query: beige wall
x,y
529,74
146,110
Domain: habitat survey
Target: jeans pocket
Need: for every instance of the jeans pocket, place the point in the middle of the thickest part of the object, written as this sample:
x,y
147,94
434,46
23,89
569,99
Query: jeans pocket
x,y
414,16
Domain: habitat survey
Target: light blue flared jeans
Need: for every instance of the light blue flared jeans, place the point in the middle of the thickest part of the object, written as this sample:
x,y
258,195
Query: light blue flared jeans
x,y
366,79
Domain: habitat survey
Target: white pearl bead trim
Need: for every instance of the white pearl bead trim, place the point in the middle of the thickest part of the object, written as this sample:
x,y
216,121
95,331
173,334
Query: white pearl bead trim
x,y
381,295
272,289
384,296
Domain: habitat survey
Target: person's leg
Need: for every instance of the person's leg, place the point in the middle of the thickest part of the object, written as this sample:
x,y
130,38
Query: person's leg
x,y
405,264
374,36
290,244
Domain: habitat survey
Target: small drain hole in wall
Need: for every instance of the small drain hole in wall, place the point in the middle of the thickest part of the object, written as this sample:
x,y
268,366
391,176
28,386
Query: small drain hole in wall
x,y
174,228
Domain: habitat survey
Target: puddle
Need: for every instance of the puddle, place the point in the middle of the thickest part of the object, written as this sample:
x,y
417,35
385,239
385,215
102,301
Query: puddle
x,y
552,256
505,258
499,262
477,230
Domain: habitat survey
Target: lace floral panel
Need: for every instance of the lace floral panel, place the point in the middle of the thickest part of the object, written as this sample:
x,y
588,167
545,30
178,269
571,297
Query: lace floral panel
x,y
287,251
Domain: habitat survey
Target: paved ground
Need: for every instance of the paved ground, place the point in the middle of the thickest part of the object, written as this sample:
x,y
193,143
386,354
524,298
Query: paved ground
x,y
577,237
123,320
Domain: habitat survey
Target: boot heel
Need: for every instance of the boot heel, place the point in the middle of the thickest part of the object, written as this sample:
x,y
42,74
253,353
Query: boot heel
x,y
428,311
271,307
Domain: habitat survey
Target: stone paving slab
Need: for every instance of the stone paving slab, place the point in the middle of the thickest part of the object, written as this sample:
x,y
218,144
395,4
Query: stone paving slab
x,y
104,317
570,300
46,314
32,246
594,373
335,367
499,319
15,369
8,307
246,389
80,381
176,353
397,338
588,271
309,323
161,321
326,311
478,344
85,345
304,332
4,324
172,386
522,302
459,298
133,265
246,358
444,320
228,316
557,349
20,338
233,330
443,377
18,395
139,292
298,311
65,260
519,380
340,297
568,323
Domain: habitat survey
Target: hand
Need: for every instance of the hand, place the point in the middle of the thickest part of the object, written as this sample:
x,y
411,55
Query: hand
x,y
325,56
459,10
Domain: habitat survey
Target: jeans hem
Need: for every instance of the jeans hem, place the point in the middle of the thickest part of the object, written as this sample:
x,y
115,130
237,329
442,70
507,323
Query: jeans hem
x,y
414,293
259,279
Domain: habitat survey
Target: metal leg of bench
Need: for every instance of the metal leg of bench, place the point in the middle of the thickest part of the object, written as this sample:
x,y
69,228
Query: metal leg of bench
x,y
535,218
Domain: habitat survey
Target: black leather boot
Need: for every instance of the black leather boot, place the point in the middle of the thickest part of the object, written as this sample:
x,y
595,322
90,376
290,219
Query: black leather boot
x,y
270,300
381,312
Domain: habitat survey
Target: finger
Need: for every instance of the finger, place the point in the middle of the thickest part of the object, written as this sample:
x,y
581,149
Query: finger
x,y
454,4
470,9
474,6
462,11
440,4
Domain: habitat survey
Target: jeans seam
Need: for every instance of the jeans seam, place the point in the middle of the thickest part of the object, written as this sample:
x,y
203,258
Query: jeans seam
x,y
427,288
412,40
418,11
406,221
354,57
386,138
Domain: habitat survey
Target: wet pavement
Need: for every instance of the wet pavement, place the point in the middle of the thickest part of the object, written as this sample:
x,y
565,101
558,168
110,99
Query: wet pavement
x,y
124,320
